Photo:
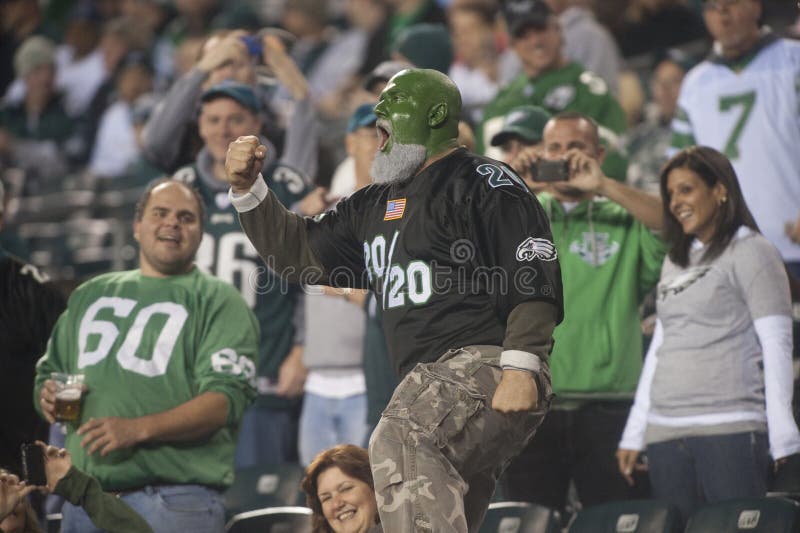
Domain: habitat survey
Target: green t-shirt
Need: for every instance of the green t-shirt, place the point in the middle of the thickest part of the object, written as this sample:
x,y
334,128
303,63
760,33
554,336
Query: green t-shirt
x,y
146,345
571,88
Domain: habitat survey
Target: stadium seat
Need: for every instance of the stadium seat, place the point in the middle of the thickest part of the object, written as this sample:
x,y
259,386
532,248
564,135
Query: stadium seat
x,y
264,486
272,520
53,522
504,516
541,519
632,516
519,517
758,515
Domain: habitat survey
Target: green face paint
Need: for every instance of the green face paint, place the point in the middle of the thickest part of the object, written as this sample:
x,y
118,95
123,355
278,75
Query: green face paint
x,y
419,107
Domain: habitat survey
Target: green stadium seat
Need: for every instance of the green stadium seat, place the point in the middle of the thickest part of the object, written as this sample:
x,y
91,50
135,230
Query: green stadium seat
x,y
265,486
519,517
272,520
757,515
632,516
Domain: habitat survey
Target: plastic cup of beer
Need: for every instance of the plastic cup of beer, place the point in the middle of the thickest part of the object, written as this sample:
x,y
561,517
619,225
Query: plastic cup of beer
x,y
69,390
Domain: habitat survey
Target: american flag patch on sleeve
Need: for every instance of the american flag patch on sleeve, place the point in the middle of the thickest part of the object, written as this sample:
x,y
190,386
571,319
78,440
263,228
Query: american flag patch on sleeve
x,y
395,209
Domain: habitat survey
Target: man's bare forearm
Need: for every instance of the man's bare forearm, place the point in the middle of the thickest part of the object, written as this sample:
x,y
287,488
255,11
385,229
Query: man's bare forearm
x,y
195,419
646,208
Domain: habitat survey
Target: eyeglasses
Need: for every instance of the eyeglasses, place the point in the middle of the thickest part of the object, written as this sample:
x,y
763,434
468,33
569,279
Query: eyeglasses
x,y
708,5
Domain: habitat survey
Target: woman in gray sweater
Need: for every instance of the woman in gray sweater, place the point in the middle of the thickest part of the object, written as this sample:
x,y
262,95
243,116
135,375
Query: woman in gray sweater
x,y
714,397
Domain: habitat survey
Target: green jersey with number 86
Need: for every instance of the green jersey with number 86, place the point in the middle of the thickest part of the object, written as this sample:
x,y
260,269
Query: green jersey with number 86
x,y
146,345
227,253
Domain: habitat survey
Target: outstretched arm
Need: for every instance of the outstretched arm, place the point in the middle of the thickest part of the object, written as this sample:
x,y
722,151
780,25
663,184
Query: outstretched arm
x,y
106,510
279,236
586,174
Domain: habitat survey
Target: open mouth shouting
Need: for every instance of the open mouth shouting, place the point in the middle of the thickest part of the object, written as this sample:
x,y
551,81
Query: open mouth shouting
x,y
384,132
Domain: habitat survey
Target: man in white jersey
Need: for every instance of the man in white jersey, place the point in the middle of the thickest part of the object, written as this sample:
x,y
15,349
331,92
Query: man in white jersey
x,y
744,100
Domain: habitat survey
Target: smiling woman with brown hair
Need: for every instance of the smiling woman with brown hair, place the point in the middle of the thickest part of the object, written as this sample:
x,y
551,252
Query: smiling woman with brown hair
x,y
339,489
716,387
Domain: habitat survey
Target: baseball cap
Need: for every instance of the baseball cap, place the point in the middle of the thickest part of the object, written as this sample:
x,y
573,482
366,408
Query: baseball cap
x,y
426,46
526,121
383,72
523,14
34,52
363,116
684,60
241,93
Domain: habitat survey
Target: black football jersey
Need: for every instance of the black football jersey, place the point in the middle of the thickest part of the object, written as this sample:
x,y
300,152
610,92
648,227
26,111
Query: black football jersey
x,y
29,307
449,253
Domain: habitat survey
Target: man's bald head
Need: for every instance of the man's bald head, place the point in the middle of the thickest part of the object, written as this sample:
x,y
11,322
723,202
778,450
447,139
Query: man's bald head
x,y
422,107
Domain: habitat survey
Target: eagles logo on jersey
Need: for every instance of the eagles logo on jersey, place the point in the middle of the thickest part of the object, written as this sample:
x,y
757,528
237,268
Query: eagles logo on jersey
x,y
536,248
416,264
681,282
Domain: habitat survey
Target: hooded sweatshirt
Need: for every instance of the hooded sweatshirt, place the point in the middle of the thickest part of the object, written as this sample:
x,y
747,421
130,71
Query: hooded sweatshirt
x,y
609,261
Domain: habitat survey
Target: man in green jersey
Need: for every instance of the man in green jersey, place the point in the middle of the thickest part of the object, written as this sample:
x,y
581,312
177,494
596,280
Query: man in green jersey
x,y
610,258
230,109
167,354
549,80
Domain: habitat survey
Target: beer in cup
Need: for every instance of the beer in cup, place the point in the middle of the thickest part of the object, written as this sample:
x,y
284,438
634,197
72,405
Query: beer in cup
x,y
69,390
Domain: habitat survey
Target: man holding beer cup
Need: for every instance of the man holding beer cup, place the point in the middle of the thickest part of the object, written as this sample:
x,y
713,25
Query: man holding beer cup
x,y
166,354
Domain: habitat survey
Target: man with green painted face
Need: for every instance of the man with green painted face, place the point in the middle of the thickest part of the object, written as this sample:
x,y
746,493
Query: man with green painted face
x,y
460,257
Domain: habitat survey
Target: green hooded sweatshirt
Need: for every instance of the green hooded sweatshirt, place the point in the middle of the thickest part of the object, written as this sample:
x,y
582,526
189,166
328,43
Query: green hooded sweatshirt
x,y
609,261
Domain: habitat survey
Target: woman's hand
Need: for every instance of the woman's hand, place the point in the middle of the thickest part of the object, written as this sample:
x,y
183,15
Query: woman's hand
x,y
626,459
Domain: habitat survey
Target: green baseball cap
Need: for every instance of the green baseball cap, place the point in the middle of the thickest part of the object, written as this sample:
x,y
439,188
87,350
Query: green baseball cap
x,y
525,121
238,92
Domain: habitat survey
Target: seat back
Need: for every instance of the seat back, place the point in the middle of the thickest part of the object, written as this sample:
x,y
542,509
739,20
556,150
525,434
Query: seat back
x,y
53,522
265,486
272,520
541,519
504,517
757,515
632,516
520,517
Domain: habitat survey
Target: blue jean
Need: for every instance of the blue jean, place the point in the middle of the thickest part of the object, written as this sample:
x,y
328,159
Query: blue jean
x,y
574,446
265,437
326,422
696,470
167,508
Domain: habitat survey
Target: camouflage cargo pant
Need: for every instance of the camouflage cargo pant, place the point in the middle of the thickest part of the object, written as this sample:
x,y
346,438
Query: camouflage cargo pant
x,y
440,447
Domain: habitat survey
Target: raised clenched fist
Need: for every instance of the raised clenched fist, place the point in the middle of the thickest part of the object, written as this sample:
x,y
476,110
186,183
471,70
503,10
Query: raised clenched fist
x,y
243,162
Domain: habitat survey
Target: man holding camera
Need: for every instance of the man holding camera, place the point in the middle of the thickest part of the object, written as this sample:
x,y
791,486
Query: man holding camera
x,y
609,258
550,80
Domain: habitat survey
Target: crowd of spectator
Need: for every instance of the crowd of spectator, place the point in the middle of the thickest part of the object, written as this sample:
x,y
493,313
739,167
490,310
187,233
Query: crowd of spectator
x,y
98,98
